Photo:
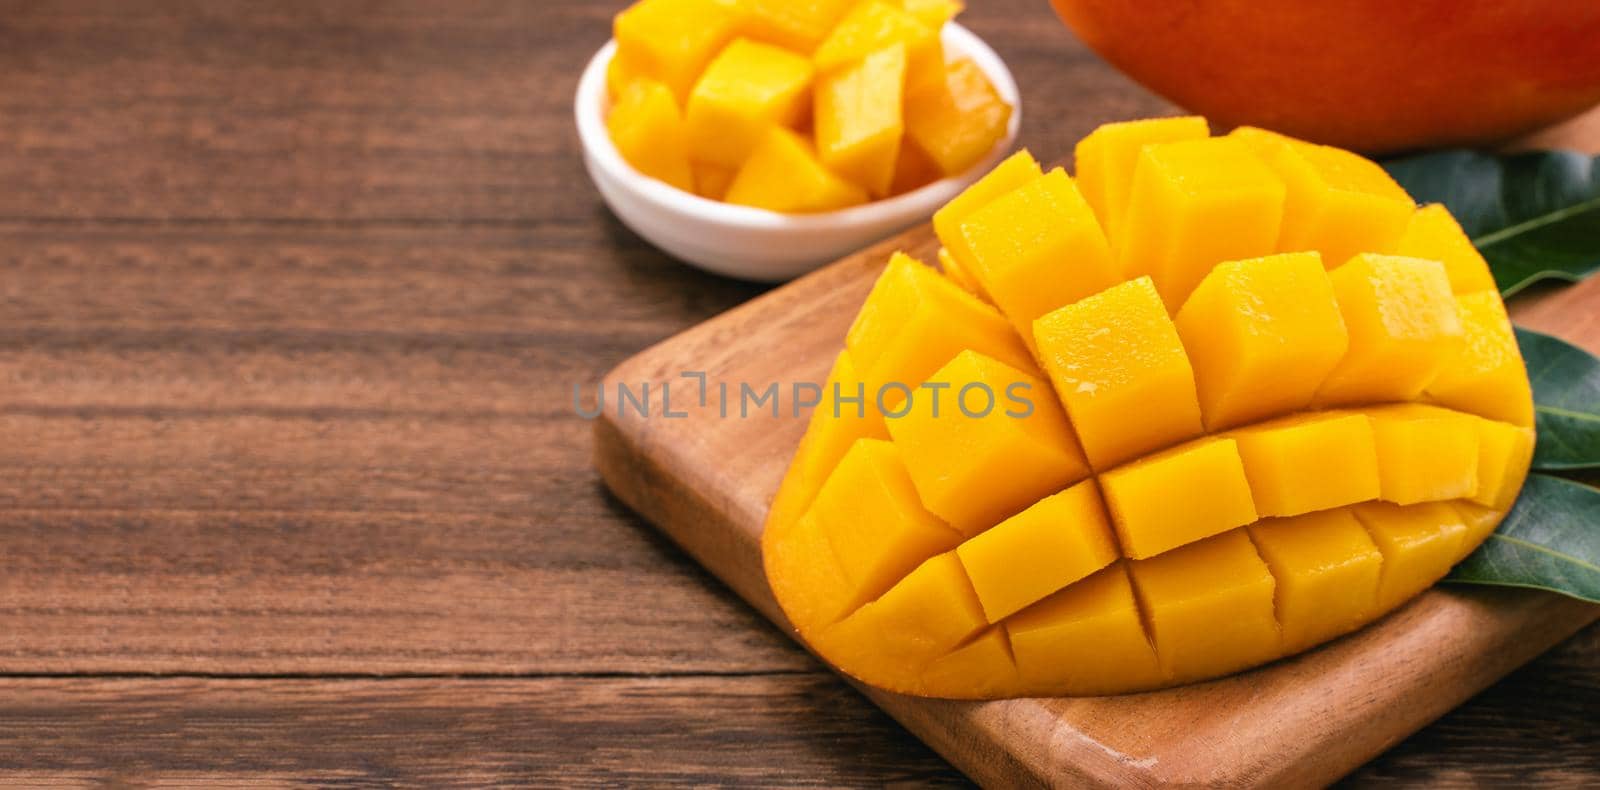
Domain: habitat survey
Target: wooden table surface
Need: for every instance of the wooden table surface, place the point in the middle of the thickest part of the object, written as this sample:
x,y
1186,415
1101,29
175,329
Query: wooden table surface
x,y
294,298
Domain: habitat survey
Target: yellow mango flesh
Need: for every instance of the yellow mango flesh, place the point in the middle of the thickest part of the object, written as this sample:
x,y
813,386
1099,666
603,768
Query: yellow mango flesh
x,y
747,89
649,133
712,181
1214,201
958,274
1419,543
874,521
860,120
1085,639
783,174
1435,235
862,85
1338,204
912,169
1106,159
914,322
672,40
959,119
797,25
1209,605
1176,497
1117,364
984,663
1055,542
1201,485
975,456
1016,170
872,26
1286,462
1487,375
1404,326
842,415
1425,454
1327,569
1036,249
1262,335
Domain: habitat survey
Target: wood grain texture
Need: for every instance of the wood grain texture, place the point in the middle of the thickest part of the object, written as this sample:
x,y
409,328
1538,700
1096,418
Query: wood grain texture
x,y
707,479
292,296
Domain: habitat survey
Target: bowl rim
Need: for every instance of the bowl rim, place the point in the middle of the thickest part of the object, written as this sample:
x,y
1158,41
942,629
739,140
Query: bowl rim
x,y
591,103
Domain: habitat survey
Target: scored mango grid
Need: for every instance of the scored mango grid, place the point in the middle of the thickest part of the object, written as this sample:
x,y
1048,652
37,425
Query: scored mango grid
x,y
1125,554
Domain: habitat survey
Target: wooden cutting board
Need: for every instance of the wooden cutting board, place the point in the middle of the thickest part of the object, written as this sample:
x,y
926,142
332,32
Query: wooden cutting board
x,y
706,480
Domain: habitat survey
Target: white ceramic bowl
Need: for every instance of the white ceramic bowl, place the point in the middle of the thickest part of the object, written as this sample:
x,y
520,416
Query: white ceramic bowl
x,y
755,244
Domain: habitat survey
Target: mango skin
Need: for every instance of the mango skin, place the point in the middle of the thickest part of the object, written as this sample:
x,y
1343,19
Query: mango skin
x,y
1371,75
993,555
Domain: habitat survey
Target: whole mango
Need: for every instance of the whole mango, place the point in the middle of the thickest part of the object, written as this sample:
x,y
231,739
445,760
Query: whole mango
x,y
1372,75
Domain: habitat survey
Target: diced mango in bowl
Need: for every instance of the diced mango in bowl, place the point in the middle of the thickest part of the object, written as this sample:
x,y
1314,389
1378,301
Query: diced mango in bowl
x,y
797,106
1213,402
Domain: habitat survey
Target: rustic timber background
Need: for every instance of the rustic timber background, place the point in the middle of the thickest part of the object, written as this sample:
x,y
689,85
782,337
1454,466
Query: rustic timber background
x,y
292,299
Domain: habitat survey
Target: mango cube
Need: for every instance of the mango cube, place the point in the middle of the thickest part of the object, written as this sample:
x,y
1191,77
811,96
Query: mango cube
x,y
620,73
957,274
1287,462
933,13
1016,170
1419,544
983,441
712,181
673,40
1425,454
1105,162
871,26
1038,248
914,322
1209,606
1403,328
1117,364
803,572
1262,334
1504,453
912,170
986,658
877,527
1086,639
926,615
1179,496
1480,522
784,175
747,89
860,119
648,131
959,120
797,25
842,415
1326,569
1212,201
1338,203
1055,542
1486,376
1435,235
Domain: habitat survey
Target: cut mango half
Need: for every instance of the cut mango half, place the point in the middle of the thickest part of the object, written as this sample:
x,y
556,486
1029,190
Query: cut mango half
x,y
1273,408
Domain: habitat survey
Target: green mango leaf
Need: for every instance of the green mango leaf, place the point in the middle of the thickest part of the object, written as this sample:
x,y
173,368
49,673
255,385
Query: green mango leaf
x,y
1533,215
1549,541
1566,401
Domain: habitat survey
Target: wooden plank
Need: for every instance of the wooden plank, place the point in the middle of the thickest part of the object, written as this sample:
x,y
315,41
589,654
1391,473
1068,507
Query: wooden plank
x,y
331,450
706,480
763,730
